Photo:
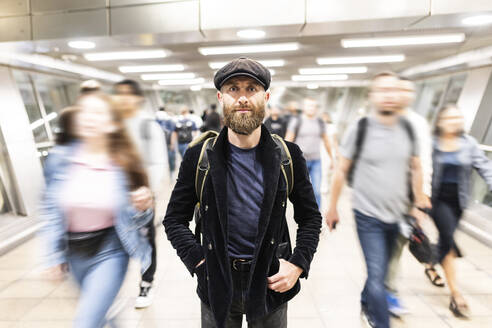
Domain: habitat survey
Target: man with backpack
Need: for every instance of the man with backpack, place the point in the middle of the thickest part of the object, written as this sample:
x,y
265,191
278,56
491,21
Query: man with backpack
x,y
184,130
309,131
379,156
150,142
241,180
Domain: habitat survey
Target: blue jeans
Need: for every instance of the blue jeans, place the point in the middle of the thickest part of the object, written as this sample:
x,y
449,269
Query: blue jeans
x,y
377,240
314,168
182,149
171,156
100,278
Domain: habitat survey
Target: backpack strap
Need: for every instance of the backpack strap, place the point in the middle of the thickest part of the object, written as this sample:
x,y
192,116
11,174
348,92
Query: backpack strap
x,y
411,134
203,165
286,164
322,127
359,141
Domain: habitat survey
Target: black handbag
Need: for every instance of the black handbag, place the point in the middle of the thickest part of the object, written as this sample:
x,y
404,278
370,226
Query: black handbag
x,y
419,244
87,243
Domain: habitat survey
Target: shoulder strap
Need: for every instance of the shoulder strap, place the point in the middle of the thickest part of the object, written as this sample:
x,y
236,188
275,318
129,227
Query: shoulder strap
x,y
286,164
203,165
322,127
409,129
359,141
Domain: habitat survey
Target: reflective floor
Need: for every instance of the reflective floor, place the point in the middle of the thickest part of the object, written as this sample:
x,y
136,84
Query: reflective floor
x,y
330,298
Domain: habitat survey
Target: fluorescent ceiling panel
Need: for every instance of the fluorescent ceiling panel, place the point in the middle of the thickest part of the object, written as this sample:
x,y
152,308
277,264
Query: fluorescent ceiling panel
x,y
404,40
360,60
170,76
266,63
182,82
151,68
121,55
339,77
250,48
333,70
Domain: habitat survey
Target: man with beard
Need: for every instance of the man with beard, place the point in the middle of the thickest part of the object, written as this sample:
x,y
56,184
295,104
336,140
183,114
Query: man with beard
x,y
242,211
380,167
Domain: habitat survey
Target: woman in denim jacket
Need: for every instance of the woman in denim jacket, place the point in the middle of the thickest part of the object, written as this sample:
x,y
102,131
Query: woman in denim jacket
x,y
455,156
91,219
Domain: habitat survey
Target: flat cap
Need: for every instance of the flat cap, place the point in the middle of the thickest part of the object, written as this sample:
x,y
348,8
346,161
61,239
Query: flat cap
x,y
243,67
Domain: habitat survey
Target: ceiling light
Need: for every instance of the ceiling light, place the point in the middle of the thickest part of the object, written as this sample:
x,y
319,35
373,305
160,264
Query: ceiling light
x,y
151,68
339,77
312,86
333,70
266,63
477,20
246,49
403,40
251,34
360,60
171,76
182,82
81,44
196,87
119,55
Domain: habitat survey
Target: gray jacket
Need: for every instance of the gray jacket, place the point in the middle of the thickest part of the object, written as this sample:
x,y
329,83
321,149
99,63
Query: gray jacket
x,y
470,157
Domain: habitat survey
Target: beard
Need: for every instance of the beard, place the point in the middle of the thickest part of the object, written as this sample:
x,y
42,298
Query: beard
x,y
244,123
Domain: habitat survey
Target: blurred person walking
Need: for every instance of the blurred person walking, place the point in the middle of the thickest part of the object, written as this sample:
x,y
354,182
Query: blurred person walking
x,y
423,135
377,155
455,155
243,258
212,120
185,130
308,131
275,123
92,206
327,166
168,126
150,143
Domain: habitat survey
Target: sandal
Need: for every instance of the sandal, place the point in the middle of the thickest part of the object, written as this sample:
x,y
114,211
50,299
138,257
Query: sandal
x,y
434,280
459,310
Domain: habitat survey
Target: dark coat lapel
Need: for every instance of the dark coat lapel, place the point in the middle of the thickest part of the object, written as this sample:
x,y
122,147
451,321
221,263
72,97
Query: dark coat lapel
x,y
218,172
269,156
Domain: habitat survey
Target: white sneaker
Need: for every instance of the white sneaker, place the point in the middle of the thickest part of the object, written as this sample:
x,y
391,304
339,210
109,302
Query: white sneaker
x,y
145,297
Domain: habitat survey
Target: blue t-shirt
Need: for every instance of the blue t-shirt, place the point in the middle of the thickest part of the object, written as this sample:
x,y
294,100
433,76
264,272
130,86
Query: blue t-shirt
x,y
244,200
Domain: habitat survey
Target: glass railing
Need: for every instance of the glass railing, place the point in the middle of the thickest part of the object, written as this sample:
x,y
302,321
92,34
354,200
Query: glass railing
x,y
480,190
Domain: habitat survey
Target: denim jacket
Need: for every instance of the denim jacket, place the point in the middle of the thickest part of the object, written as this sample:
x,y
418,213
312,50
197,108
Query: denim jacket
x,y
470,157
128,220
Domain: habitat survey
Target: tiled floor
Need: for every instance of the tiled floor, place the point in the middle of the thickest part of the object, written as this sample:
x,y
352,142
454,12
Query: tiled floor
x,y
330,298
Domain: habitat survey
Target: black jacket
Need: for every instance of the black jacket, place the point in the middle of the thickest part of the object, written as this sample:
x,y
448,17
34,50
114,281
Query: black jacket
x,y
214,278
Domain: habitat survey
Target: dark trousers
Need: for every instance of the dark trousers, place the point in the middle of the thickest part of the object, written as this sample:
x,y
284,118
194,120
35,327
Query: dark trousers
x,y
377,240
275,319
446,213
148,275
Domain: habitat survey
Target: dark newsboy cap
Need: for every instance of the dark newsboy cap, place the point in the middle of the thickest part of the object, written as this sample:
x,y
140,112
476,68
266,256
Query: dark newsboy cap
x,y
243,67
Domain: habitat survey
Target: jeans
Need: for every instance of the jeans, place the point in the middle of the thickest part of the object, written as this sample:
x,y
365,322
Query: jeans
x,y
100,278
171,157
314,168
275,319
182,149
377,240
148,275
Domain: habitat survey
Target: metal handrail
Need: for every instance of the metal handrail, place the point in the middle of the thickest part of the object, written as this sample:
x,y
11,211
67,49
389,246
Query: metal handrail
x,y
485,148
